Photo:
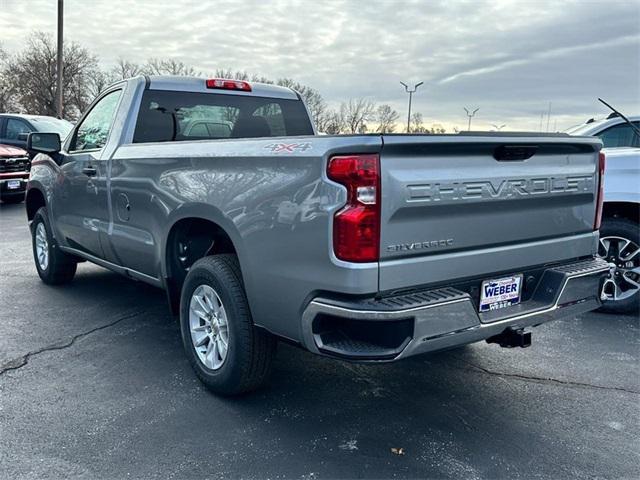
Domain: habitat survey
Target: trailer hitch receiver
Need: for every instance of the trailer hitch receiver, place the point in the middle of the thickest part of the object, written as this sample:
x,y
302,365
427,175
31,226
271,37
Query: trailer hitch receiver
x,y
512,337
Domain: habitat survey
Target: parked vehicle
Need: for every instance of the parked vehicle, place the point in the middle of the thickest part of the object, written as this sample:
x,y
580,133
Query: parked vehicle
x,y
614,131
620,232
15,127
403,244
14,173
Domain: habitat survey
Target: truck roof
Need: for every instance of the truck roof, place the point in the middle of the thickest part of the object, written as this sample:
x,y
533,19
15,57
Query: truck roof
x,y
197,84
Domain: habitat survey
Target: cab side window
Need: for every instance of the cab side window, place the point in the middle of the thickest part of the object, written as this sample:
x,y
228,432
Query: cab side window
x,y
15,127
620,136
94,130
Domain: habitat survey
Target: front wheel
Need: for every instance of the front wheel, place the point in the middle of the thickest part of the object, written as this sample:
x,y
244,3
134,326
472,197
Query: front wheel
x,y
227,352
53,265
620,246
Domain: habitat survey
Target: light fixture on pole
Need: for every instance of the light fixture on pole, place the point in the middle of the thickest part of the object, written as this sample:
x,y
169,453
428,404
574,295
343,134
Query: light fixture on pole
x,y
470,115
410,92
498,127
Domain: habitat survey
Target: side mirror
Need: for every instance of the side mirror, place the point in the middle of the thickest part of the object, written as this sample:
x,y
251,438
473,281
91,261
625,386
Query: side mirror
x,y
23,136
43,142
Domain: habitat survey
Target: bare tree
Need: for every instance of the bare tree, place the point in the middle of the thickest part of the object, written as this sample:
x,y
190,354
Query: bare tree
x,y
155,66
8,100
33,76
386,118
333,123
417,125
356,113
125,69
240,75
228,73
98,82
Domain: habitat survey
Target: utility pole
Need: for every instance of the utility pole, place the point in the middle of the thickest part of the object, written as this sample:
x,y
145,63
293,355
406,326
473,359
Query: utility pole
x,y
549,116
410,92
59,66
470,115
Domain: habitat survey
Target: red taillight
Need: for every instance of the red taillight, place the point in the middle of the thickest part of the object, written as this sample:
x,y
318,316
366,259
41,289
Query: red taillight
x,y
225,84
600,192
356,227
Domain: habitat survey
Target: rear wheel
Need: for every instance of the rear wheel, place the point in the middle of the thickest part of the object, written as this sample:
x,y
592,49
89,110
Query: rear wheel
x,y
53,265
620,246
227,352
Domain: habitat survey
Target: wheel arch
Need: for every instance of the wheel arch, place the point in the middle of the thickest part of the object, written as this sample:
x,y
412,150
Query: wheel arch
x,y
34,200
628,210
207,232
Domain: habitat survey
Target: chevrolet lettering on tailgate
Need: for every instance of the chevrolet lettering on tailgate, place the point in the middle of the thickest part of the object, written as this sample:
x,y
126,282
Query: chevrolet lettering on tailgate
x,y
508,188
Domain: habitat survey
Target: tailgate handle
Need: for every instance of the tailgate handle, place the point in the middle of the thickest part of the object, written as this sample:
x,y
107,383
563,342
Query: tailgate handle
x,y
513,153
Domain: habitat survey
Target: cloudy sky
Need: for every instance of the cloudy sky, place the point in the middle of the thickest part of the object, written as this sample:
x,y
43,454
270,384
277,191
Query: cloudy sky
x,y
510,58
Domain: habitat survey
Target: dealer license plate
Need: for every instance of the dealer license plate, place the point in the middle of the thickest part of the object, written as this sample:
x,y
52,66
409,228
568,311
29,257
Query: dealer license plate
x,y
13,184
500,293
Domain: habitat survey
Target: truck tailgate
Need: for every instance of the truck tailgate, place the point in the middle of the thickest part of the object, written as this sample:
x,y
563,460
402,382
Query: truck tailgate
x,y
460,206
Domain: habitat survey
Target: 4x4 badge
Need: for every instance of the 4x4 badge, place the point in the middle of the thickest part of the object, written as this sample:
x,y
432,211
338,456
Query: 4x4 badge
x,y
288,147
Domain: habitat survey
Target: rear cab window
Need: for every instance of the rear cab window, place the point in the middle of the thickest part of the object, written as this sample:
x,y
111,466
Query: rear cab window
x,y
167,116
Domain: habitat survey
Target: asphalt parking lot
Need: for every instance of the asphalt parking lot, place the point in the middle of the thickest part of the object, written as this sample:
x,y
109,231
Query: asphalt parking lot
x,y
93,383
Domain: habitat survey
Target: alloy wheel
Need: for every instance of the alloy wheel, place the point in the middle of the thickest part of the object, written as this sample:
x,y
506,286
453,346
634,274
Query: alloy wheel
x,y
209,327
42,246
623,256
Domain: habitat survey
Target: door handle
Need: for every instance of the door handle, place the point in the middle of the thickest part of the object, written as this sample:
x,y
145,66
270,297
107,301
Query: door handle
x,y
89,171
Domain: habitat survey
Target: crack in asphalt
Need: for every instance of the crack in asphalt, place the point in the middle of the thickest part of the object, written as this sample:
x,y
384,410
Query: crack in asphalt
x,y
23,360
548,380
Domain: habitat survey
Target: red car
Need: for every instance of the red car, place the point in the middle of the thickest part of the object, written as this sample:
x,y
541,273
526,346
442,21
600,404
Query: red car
x,y
14,173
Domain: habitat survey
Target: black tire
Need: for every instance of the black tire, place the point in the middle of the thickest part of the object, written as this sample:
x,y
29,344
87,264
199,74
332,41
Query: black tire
x,y
250,350
61,267
12,198
630,230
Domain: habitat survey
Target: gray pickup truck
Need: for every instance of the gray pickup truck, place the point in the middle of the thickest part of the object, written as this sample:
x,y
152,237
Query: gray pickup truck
x,y
366,248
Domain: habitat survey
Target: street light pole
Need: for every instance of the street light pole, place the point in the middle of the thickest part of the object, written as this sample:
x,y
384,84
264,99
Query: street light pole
x,y
59,66
470,115
410,92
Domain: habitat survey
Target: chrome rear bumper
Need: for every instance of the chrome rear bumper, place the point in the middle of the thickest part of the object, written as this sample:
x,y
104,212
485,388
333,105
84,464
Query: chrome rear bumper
x,y
442,318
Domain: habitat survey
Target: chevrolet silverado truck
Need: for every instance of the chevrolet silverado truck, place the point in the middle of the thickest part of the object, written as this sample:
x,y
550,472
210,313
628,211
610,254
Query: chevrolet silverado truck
x,y
369,248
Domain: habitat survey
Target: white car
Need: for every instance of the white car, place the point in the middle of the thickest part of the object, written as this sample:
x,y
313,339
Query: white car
x,y
620,231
